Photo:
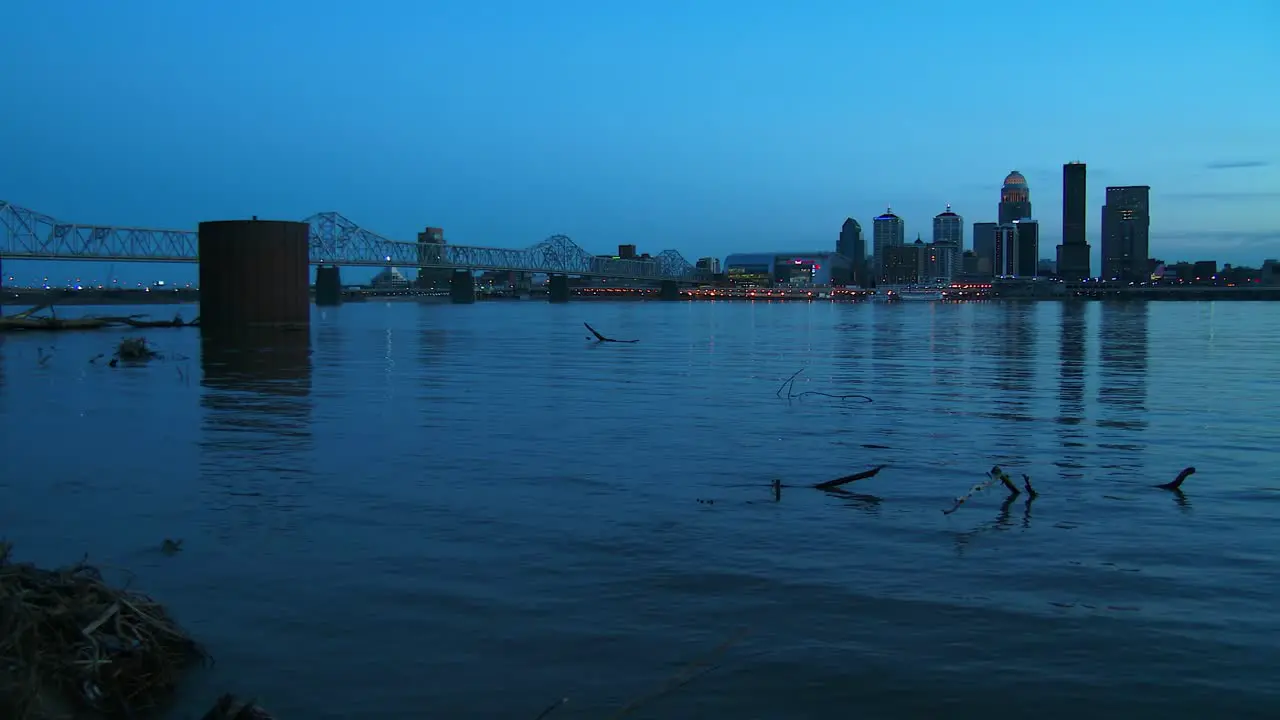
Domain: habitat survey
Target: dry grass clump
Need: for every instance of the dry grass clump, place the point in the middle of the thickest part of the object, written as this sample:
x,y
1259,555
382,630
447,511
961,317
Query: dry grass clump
x,y
68,637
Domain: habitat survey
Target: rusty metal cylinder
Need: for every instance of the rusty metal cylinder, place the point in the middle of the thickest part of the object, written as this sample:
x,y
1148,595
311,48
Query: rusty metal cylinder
x,y
254,273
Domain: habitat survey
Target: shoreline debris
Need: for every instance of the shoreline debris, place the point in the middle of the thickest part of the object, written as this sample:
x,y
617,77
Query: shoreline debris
x,y
602,338
66,635
789,386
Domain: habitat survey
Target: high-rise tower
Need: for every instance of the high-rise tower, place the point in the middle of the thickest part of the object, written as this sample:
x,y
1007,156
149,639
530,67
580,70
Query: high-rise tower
x,y
887,231
1015,198
948,241
853,246
1073,253
1126,229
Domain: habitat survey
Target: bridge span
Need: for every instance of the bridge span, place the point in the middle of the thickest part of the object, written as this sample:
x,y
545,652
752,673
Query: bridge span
x,y
334,240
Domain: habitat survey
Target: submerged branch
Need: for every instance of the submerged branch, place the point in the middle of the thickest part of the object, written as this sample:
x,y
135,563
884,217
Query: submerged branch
x,y
789,386
602,338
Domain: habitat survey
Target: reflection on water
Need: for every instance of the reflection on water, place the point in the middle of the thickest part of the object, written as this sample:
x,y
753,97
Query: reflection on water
x,y
257,417
1015,372
1072,348
512,512
1122,381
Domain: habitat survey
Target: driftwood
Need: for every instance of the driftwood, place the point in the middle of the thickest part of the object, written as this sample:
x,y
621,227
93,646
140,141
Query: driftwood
x,y
602,338
831,484
27,320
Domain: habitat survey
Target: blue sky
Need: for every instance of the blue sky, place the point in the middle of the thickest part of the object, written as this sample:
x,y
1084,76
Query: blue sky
x,y
711,127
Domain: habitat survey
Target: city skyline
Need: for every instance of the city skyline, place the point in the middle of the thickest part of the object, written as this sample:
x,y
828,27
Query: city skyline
x,y
507,128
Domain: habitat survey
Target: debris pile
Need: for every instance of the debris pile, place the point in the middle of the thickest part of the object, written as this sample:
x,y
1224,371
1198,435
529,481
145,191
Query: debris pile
x,y
68,637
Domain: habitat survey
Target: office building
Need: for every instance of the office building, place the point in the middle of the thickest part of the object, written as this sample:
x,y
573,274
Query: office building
x,y
786,269
1005,261
887,231
1015,198
1126,229
852,245
1073,253
904,264
948,243
984,244
1027,232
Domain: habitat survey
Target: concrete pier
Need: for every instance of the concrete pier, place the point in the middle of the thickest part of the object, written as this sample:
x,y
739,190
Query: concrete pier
x,y
328,285
253,273
558,288
669,290
1,282
462,287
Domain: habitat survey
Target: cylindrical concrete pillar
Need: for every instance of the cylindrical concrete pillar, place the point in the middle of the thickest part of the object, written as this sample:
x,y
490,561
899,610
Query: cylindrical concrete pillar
x,y
254,273
328,285
558,288
462,287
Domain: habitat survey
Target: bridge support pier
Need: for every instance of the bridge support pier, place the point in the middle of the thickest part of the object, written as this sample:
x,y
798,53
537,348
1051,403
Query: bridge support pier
x,y
522,283
328,286
1,282
462,287
253,273
558,288
669,290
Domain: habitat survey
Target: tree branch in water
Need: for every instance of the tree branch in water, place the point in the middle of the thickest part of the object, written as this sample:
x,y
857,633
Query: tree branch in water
x,y
602,338
789,386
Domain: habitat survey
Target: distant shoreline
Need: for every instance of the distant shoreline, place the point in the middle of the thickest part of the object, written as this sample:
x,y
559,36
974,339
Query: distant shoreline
x,y
23,298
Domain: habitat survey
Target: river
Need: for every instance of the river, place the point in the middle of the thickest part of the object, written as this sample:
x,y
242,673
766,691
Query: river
x,y
423,510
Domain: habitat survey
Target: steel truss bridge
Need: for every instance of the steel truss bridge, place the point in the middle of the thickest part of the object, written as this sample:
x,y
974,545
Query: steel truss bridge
x,y
335,240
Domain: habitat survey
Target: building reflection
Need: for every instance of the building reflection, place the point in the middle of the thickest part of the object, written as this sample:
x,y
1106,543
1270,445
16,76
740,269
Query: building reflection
x,y
1015,362
256,439
1122,380
1073,333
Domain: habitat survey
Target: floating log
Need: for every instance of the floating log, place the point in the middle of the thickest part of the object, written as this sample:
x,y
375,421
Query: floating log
x,y
830,484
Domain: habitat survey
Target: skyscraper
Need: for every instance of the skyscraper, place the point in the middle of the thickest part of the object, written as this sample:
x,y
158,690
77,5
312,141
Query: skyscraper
x,y
1005,263
1028,237
1126,229
1073,253
948,241
852,245
984,244
1015,198
887,231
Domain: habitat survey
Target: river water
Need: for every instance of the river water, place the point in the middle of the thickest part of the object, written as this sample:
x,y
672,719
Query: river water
x,y
473,511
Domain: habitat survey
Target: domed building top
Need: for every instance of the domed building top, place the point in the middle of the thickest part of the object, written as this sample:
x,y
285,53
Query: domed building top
x,y
888,215
947,212
1014,178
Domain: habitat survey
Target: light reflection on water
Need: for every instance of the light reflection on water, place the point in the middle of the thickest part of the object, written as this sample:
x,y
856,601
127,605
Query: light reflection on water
x,y
474,510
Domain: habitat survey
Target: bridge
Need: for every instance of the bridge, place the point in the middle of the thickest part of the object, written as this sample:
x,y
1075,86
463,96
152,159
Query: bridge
x,y
334,240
